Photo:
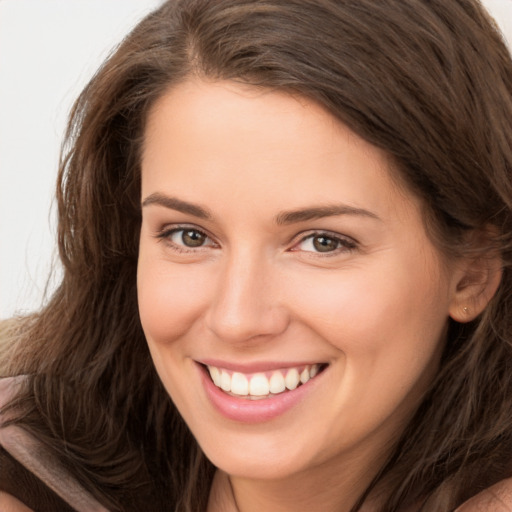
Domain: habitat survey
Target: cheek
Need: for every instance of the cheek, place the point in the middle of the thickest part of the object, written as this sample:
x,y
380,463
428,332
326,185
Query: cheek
x,y
170,298
388,332
367,314
170,302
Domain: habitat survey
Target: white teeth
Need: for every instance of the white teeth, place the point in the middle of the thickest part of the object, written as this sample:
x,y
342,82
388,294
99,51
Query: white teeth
x,y
277,384
225,381
259,385
292,379
239,384
304,376
215,375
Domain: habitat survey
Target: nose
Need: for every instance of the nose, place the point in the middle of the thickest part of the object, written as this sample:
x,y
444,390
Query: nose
x,y
247,301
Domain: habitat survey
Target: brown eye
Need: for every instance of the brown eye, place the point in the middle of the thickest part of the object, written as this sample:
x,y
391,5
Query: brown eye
x,y
186,238
192,238
324,243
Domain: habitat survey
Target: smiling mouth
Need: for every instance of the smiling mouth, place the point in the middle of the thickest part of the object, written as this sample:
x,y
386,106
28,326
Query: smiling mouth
x,y
263,385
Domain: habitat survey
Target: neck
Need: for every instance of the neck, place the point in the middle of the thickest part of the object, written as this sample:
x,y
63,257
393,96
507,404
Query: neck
x,y
299,493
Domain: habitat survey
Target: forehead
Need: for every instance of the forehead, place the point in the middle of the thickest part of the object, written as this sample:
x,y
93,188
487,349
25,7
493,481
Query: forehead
x,y
209,137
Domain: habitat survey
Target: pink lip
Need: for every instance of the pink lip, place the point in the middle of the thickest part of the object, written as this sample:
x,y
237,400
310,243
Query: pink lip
x,y
254,411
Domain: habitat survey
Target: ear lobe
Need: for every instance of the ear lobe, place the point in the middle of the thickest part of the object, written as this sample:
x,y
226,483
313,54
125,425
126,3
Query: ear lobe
x,y
476,283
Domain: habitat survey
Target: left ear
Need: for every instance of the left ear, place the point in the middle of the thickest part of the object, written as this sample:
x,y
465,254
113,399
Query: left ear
x,y
476,280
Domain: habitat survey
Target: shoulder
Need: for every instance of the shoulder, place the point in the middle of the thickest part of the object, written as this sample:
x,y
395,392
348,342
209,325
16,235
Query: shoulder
x,y
30,470
497,498
9,503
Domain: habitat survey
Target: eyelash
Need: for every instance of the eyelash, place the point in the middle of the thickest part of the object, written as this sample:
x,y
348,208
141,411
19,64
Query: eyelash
x,y
343,243
166,234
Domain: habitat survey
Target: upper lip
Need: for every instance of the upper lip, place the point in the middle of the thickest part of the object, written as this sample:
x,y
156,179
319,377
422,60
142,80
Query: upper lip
x,y
255,367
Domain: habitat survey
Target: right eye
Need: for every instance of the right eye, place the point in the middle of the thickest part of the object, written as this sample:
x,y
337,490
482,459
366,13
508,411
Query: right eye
x,y
186,238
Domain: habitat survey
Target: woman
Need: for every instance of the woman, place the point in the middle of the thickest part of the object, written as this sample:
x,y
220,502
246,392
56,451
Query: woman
x,y
303,210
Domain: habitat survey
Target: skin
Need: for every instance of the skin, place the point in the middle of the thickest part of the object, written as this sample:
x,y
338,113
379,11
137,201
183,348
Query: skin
x,y
9,503
497,498
374,309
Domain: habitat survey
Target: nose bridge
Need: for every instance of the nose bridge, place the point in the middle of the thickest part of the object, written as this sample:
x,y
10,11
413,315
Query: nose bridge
x,y
246,303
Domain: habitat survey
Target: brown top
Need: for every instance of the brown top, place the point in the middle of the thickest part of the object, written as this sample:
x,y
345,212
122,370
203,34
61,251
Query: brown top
x,y
31,474
19,482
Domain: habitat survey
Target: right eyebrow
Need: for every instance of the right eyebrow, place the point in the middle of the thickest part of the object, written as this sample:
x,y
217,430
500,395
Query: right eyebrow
x,y
177,204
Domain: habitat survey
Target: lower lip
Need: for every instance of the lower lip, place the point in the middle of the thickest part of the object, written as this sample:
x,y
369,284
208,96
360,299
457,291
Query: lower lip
x,y
254,411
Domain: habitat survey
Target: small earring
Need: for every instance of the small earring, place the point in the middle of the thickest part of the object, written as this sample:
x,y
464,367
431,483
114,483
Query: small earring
x,y
465,310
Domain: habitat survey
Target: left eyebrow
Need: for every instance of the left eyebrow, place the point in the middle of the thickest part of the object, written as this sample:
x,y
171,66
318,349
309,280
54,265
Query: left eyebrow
x,y
319,212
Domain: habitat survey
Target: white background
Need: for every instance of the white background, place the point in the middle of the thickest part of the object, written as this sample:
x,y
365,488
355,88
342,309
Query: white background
x,y
48,51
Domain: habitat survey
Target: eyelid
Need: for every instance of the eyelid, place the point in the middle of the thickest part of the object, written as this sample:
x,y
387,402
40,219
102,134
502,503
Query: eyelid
x,y
164,235
347,243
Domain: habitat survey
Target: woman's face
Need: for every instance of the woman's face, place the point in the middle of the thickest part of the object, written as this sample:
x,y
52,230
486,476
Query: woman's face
x,y
293,304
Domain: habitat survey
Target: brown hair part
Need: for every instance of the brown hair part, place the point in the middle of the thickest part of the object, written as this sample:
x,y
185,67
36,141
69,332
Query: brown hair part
x,y
428,81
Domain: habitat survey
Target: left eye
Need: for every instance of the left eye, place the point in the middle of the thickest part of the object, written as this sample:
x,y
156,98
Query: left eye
x,y
324,243
189,237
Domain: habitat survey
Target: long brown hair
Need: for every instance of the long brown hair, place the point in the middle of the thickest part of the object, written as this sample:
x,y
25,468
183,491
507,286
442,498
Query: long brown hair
x,y
429,81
